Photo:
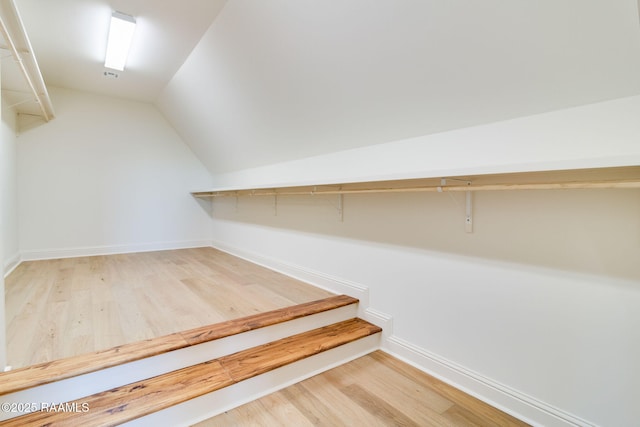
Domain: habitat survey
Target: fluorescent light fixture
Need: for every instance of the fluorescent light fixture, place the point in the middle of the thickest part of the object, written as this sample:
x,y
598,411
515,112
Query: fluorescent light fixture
x,y
120,37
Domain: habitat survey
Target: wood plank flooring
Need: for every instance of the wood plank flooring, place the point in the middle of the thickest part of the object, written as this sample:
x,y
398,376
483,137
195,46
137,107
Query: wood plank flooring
x,y
374,390
62,308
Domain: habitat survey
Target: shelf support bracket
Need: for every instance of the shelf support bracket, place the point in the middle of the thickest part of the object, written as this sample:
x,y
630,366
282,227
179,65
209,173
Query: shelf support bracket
x,y
468,218
468,222
341,207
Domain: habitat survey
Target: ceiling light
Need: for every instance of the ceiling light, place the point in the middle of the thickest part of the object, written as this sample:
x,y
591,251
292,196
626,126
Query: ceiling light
x,y
120,37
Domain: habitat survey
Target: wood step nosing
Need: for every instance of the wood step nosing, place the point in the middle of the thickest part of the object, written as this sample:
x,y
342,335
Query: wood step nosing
x,y
76,387
209,405
44,373
230,369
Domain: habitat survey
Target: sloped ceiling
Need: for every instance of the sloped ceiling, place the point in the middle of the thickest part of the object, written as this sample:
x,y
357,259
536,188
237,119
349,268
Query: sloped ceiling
x,y
69,39
283,79
253,82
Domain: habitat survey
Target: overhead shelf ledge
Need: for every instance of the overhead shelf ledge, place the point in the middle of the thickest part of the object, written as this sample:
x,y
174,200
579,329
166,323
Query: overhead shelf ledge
x,y
17,43
616,177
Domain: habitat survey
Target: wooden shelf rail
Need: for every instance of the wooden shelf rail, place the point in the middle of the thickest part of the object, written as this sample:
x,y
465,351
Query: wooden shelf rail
x,y
619,177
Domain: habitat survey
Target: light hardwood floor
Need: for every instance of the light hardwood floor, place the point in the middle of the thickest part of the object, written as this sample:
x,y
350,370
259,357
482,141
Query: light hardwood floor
x,y
66,307
59,308
374,390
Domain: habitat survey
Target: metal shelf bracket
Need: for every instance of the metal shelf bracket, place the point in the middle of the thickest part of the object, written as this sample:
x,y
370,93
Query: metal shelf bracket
x,y
468,219
468,222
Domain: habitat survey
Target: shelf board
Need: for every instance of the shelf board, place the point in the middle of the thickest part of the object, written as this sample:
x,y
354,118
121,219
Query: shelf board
x,y
614,177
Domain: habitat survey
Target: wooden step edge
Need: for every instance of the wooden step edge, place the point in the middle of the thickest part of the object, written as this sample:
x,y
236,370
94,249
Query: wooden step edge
x,y
126,403
261,320
255,361
48,372
60,369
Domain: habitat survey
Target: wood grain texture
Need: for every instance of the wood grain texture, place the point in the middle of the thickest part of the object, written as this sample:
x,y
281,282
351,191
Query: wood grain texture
x,y
374,390
613,177
244,324
66,307
43,373
256,361
135,400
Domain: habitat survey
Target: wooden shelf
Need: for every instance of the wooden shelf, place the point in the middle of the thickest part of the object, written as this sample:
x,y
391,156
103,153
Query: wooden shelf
x,y
614,177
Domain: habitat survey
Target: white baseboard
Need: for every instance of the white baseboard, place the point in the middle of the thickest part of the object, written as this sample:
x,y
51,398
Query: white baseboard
x,y
316,278
513,402
377,318
11,263
35,255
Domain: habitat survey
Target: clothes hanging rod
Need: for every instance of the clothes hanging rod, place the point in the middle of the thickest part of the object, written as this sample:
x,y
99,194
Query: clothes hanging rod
x,y
628,184
41,96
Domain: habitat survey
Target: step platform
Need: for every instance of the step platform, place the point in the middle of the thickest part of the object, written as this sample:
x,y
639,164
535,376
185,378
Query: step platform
x,y
292,344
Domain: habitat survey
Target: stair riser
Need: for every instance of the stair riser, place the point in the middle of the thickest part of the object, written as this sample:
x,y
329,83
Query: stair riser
x,y
95,382
207,406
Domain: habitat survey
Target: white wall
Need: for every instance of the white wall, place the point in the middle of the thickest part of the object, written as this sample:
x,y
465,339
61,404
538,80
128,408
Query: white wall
x,y
9,191
8,208
590,136
288,79
543,298
541,301
107,175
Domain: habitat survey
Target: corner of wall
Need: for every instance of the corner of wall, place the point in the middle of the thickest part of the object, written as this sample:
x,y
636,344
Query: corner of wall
x,y
11,263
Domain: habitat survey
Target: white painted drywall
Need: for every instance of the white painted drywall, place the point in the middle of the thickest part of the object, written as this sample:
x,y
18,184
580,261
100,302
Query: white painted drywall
x,y
542,298
7,178
107,175
288,79
9,190
595,135
3,323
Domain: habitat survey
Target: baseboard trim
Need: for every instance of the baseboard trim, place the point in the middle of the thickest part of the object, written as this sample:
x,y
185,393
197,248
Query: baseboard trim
x,y
513,402
379,319
12,263
36,255
316,278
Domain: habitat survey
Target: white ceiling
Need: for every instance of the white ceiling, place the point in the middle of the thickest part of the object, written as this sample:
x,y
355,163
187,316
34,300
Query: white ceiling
x,y
69,39
252,82
278,80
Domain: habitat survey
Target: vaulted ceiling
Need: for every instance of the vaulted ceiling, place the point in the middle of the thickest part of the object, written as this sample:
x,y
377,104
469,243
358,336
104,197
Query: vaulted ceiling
x,y
251,82
69,39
